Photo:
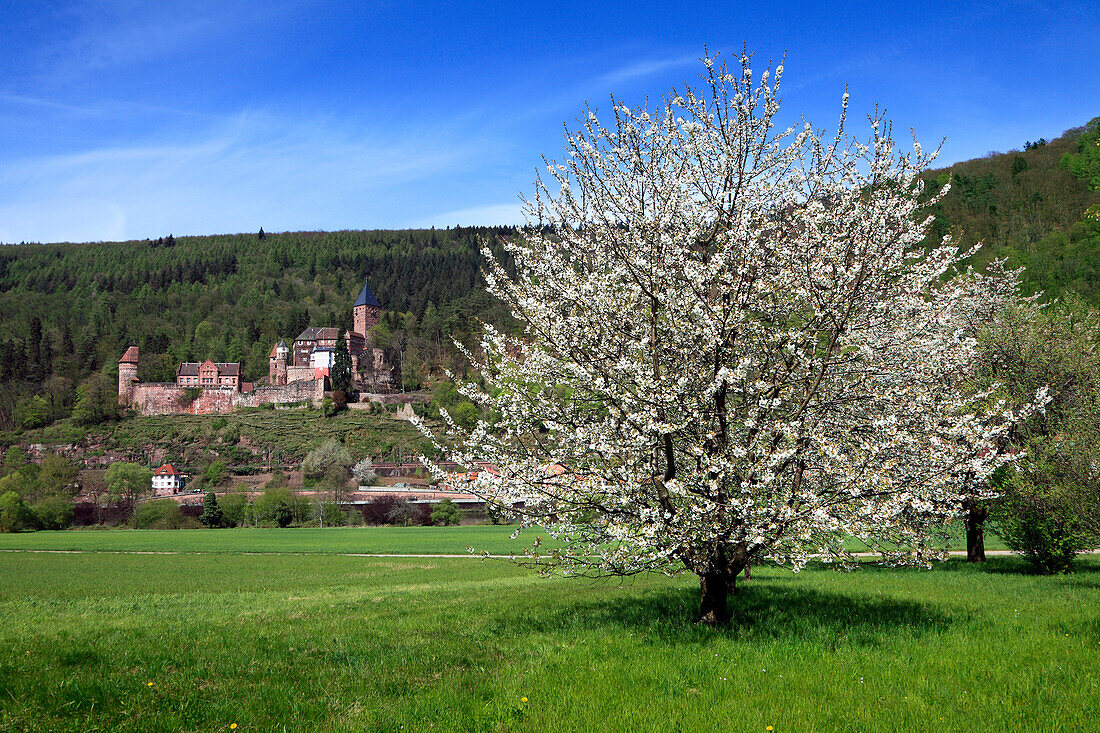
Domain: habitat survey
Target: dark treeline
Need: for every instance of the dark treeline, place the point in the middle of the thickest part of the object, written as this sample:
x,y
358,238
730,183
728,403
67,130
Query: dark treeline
x,y
1036,206
69,310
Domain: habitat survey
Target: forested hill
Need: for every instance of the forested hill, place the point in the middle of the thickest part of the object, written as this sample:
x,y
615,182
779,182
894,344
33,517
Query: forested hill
x,y
69,310
1038,206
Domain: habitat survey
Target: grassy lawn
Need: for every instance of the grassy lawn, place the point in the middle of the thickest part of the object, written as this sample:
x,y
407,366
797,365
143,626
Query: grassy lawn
x,y
496,540
311,642
373,540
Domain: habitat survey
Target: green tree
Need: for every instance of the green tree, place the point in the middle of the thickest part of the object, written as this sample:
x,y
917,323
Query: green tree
x,y
234,509
341,367
127,482
211,512
215,473
446,513
1050,501
1085,163
96,401
58,476
53,513
14,515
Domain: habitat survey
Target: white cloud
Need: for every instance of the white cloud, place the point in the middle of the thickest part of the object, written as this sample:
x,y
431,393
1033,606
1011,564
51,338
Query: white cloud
x,y
236,175
490,215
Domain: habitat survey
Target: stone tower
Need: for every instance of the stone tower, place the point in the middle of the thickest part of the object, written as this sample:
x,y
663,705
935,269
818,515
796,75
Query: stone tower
x,y
366,311
277,361
127,375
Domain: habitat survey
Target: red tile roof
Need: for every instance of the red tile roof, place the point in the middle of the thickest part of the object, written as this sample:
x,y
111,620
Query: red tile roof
x,y
167,470
130,357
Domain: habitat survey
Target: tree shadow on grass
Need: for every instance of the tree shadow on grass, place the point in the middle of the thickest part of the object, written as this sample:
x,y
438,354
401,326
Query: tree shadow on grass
x,y
761,610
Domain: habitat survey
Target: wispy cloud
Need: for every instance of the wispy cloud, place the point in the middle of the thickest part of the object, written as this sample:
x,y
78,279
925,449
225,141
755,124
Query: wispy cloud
x,y
645,68
489,215
245,172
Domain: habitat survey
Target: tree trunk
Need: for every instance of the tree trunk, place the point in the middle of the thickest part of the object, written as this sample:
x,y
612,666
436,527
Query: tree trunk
x,y
714,590
975,531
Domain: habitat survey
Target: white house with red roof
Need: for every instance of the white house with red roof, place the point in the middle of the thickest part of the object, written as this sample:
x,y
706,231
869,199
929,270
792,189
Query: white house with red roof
x,y
167,480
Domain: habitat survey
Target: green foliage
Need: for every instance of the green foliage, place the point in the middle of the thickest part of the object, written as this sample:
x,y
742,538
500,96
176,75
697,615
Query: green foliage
x,y
446,513
53,513
211,513
331,515
1028,207
58,475
96,402
14,514
215,473
128,481
331,457
1085,163
1050,510
280,507
1050,505
158,514
341,367
234,509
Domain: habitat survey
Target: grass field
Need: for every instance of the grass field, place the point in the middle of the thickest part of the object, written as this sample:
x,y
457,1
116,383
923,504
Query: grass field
x,y
494,540
371,540
98,641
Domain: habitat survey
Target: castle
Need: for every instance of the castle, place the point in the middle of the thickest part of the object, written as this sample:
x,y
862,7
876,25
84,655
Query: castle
x,y
295,376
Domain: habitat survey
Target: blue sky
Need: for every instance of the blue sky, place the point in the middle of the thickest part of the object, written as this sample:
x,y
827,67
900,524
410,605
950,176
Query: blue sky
x,y
123,120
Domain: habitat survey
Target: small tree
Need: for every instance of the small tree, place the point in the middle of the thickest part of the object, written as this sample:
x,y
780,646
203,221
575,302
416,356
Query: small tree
x,y
330,457
211,512
364,472
14,515
215,473
341,367
446,513
127,482
234,509
733,349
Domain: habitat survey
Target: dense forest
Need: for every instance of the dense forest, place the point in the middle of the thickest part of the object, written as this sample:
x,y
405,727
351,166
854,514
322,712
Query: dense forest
x,y
1038,207
69,310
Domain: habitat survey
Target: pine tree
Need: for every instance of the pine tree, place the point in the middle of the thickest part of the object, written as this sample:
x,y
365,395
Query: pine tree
x,y
211,512
341,367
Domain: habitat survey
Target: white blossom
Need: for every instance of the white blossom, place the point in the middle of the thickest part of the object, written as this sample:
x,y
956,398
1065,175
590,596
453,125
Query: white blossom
x,y
735,345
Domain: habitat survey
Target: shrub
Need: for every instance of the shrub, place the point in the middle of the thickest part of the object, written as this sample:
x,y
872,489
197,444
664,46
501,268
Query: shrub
x,y
14,515
157,514
234,509
446,513
53,513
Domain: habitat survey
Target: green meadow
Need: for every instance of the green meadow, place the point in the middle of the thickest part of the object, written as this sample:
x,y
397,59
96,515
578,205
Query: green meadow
x,y
300,642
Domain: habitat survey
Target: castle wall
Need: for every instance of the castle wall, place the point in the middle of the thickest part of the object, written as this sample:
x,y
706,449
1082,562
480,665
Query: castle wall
x,y
170,399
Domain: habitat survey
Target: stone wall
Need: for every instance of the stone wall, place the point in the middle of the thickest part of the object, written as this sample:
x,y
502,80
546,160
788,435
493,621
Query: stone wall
x,y
161,398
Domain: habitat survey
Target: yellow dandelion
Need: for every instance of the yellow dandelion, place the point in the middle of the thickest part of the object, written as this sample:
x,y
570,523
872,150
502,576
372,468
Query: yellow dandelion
x,y
769,728
232,726
150,684
523,699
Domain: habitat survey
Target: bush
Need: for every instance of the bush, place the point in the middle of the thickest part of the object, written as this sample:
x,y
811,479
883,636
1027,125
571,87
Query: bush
x,y
1050,507
331,515
234,509
14,515
446,513
158,514
281,507
54,513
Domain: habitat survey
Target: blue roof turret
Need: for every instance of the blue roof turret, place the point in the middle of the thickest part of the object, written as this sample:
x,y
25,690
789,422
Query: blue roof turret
x,y
366,297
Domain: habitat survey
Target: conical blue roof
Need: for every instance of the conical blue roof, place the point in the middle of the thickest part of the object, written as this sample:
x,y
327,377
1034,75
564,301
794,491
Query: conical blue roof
x,y
366,297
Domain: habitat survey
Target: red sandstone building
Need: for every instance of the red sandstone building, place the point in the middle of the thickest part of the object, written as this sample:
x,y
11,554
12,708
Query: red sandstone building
x,y
209,374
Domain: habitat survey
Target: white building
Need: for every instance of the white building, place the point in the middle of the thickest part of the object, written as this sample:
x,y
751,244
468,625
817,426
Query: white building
x,y
167,480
